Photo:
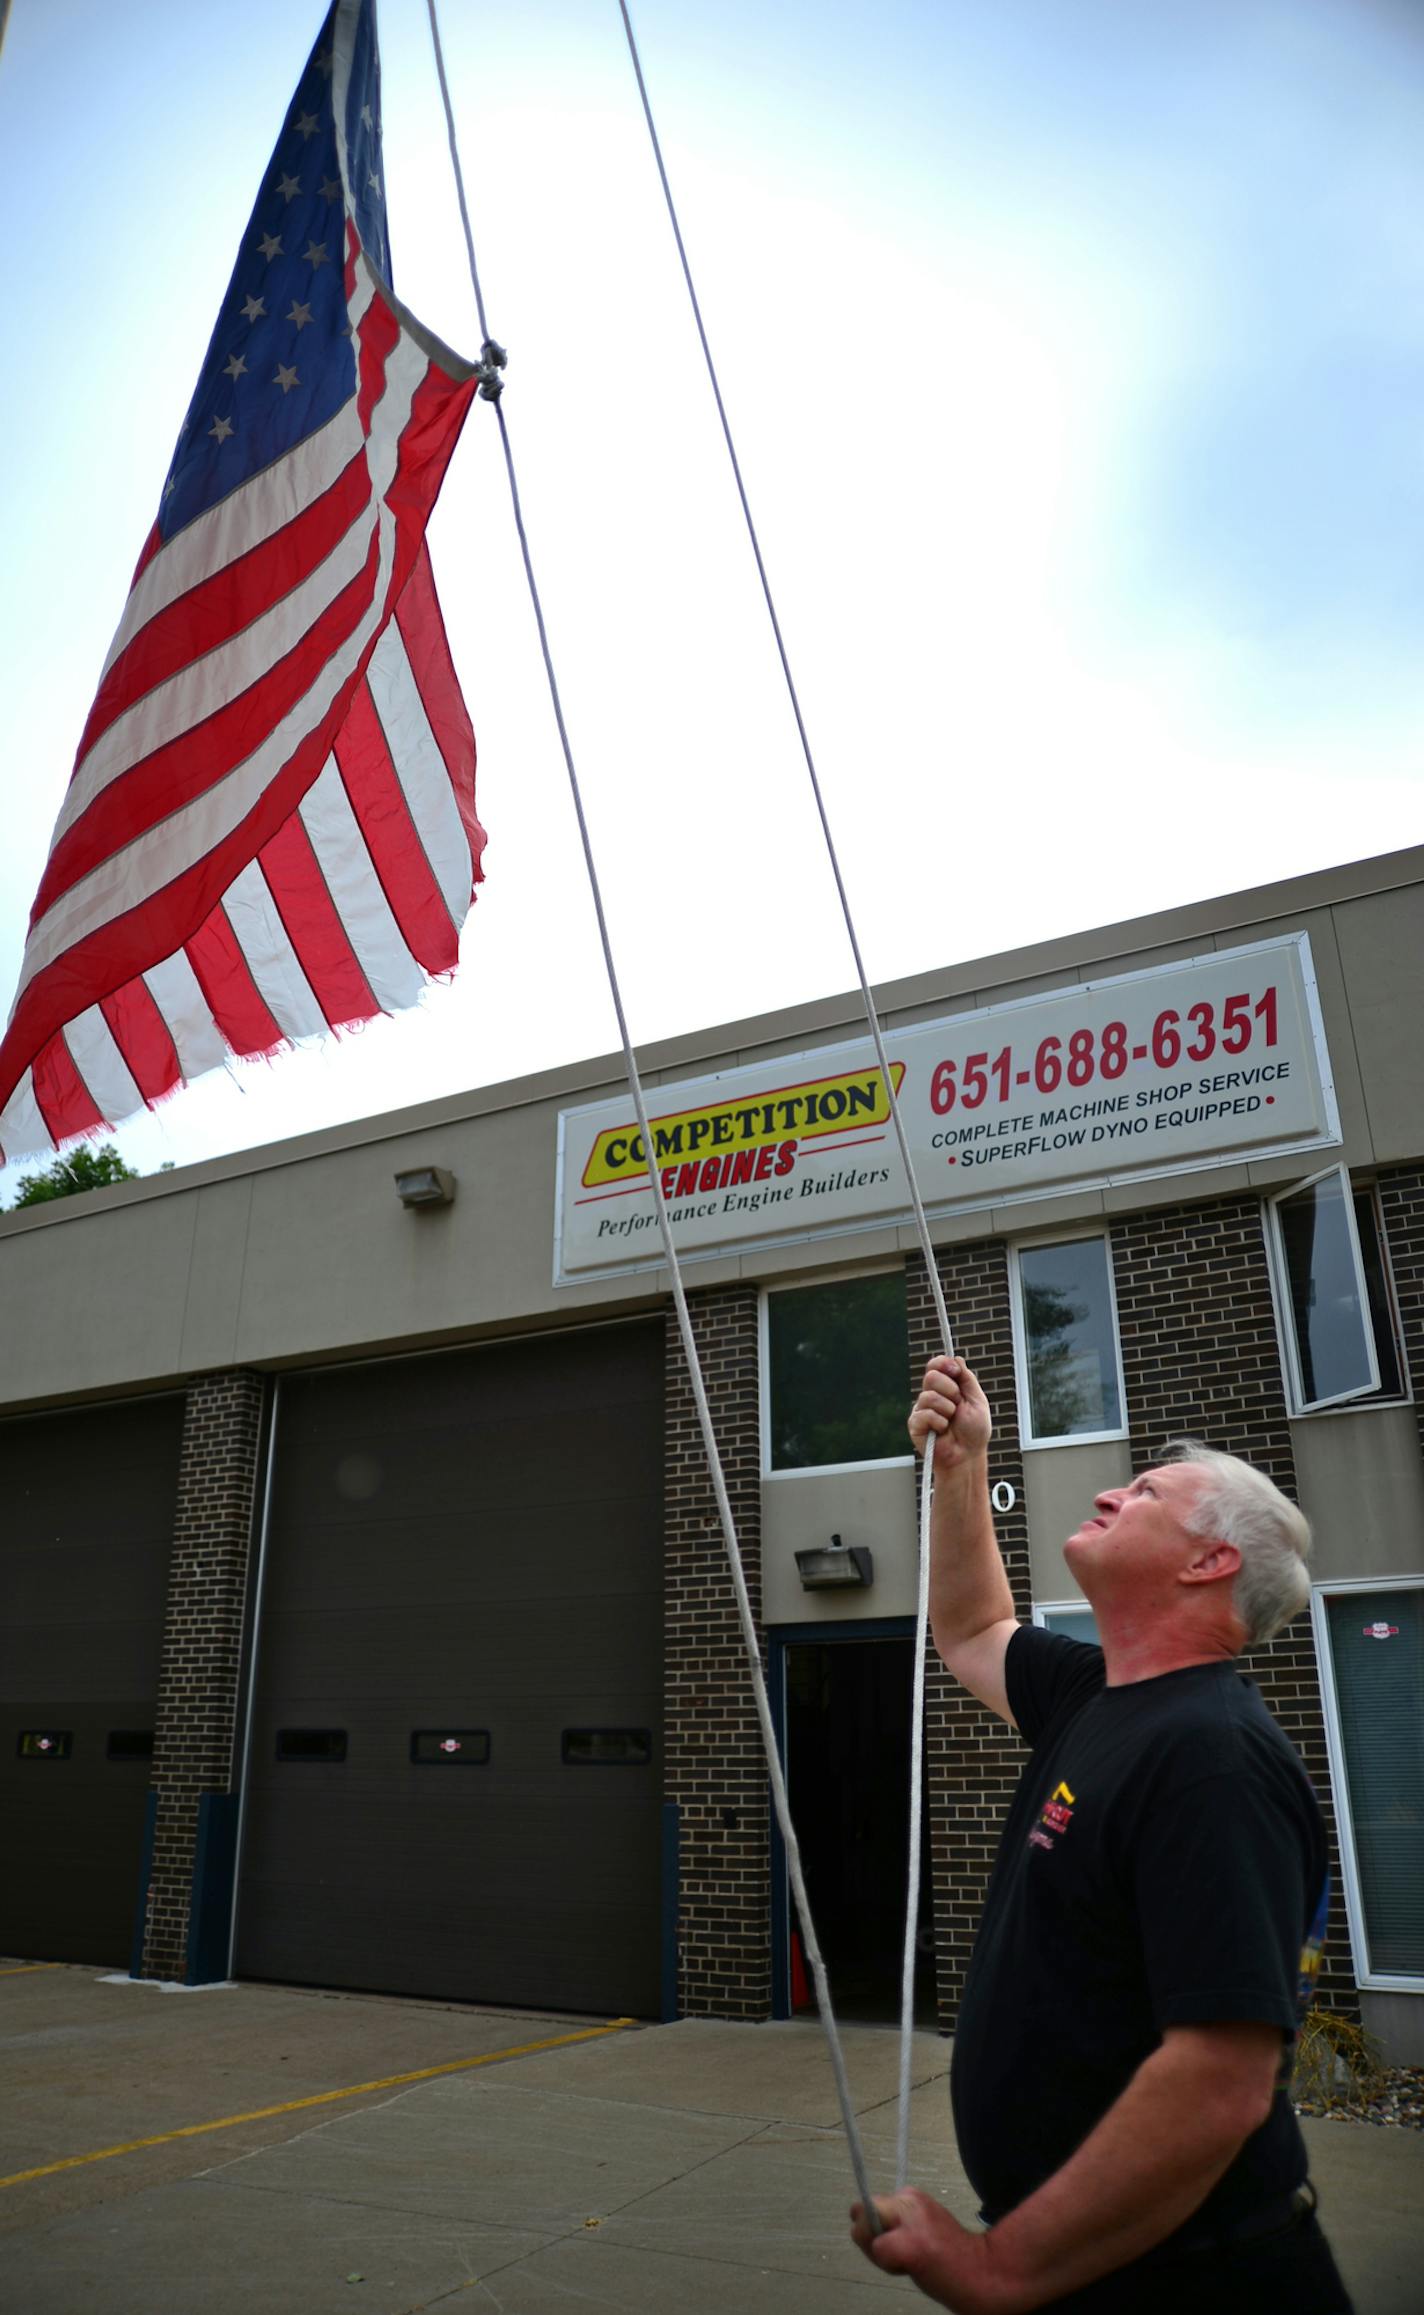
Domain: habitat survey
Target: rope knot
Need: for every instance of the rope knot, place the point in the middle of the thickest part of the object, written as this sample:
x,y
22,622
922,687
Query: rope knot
x,y
487,369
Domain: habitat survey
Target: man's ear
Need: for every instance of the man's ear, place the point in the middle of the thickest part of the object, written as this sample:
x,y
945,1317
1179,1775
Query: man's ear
x,y
1219,1560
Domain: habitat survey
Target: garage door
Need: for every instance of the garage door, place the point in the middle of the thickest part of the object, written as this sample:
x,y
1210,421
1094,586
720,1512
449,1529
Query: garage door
x,y
455,1767
86,1534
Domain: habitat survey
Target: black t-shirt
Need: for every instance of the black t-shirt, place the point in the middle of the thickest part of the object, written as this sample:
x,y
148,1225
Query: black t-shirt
x,y
1162,1865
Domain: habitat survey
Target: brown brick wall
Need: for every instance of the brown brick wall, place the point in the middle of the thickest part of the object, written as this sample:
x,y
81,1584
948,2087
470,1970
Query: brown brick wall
x,y
202,1642
1201,1360
1401,1197
973,1761
715,1761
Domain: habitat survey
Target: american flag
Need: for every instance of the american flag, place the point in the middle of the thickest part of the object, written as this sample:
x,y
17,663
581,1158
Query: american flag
x,y
270,827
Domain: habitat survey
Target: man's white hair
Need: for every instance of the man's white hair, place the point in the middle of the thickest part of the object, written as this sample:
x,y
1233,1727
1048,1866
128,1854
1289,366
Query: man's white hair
x,y
1240,1505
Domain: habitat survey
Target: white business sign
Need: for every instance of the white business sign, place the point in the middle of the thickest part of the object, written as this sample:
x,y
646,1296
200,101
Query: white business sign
x,y
1195,1063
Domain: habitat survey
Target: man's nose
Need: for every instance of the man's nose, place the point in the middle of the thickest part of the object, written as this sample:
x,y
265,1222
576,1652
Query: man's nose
x,y
1110,1499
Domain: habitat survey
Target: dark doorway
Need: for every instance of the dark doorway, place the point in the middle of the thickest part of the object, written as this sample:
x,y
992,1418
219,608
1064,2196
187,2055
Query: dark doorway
x,y
847,1736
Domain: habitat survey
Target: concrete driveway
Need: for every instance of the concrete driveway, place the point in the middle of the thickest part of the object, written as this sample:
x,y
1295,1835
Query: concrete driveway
x,y
287,2164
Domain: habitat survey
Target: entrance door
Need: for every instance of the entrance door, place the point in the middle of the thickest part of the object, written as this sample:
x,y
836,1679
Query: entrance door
x,y
847,1701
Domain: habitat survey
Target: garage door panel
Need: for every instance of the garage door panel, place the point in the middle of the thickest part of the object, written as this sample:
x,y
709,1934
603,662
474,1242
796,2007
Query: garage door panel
x,y
87,1504
461,1557
390,1648
470,1541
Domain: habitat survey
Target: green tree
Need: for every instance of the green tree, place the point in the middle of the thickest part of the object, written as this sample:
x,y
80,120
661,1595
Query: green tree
x,y
82,1169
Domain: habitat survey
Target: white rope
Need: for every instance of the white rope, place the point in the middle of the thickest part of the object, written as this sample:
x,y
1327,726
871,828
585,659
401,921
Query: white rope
x,y
689,1346
912,1902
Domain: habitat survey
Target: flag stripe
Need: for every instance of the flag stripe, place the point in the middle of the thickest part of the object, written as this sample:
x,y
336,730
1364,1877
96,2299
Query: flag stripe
x,y
427,652
395,978
186,1014
232,601
65,1102
300,893
394,839
205,752
420,766
142,1036
233,997
271,959
22,1124
107,1077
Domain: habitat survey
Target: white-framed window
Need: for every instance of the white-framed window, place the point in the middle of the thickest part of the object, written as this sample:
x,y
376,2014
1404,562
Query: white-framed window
x,y
1334,1298
1073,1618
835,1373
1369,1638
1065,1342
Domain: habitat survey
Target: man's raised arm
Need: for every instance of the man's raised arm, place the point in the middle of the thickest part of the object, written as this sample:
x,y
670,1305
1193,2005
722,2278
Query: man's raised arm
x,y
971,1605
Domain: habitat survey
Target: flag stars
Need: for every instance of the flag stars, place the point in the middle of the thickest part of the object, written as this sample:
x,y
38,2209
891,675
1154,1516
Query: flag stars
x,y
323,64
330,189
374,182
220,429
305,125
270,246
315,255
253,309
288,187
234,367
286,378
368,118
300,315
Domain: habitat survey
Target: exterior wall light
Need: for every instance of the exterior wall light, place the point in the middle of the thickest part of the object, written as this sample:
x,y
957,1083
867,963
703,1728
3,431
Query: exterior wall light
x,y
835,1566
426,1186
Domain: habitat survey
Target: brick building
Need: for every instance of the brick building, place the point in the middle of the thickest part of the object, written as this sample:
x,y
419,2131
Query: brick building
x,y
364,1617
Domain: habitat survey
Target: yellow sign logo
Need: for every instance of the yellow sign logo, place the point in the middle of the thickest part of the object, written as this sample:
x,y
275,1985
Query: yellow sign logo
x,y
805,1112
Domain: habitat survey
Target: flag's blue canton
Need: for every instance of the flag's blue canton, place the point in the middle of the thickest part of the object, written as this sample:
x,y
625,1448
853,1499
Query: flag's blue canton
x,y
280,362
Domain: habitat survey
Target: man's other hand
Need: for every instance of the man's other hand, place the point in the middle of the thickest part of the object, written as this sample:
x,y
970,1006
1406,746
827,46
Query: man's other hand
x,y
921,2239
952,1406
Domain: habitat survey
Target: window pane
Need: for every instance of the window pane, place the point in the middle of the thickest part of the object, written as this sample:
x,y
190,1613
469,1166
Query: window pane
x,y
1377,1644
1074,1623
839,1372
1323,1292
1377,1292
1068,1328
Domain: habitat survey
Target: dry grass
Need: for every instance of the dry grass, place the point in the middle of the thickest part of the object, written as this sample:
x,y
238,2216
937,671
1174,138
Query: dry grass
x,y
1338,2066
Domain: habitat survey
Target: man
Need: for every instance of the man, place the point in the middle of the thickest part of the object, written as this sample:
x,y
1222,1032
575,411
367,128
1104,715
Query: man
x,y
1154,1913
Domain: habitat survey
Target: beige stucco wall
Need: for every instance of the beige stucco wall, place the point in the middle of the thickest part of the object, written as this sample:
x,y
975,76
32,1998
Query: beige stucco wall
x,y
301,1251
1361,1485
802,1510
1059,1486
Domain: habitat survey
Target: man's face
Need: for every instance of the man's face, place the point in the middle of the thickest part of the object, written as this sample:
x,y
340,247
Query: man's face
x,y
1137,1538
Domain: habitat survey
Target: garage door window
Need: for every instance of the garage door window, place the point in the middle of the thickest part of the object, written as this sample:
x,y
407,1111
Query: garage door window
x,y
607,1747
320,1744
45,1743
129,1744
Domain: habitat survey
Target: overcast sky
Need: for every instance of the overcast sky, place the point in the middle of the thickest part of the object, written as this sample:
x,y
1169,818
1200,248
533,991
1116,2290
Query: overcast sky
x,y
1074,355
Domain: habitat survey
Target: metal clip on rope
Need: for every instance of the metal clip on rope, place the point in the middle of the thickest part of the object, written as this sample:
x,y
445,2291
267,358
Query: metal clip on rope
x,y
493,359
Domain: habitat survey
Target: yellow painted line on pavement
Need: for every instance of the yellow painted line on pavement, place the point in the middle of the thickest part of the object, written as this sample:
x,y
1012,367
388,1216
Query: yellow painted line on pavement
x,y
321,2098
27,1968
